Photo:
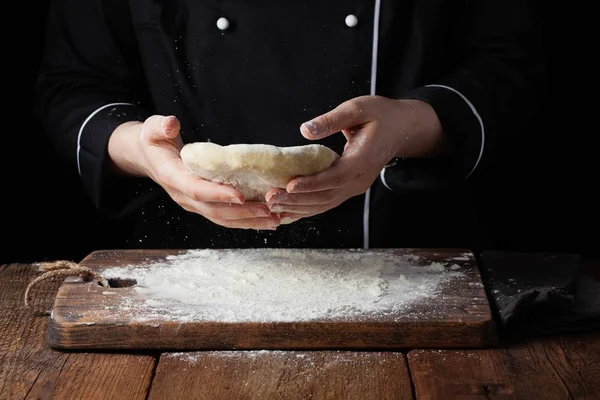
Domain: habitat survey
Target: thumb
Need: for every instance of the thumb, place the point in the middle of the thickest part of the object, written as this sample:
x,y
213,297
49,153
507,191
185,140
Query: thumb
x,y
158,127
347,115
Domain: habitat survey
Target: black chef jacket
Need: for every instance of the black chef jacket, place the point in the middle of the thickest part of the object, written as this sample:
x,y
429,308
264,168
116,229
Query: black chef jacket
x,y
252,72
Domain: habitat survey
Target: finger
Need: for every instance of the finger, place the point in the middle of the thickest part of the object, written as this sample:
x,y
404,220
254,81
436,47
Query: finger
x,y
158,127
288,218
347,115
224,211
279,196
175,175
221,211
332,178
289,208
266,223
274,193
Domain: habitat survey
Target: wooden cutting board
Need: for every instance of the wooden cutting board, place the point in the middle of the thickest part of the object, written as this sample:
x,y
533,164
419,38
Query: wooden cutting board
x,y
86,315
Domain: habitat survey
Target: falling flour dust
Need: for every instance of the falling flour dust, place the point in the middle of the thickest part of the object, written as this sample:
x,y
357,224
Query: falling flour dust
x,y
279,285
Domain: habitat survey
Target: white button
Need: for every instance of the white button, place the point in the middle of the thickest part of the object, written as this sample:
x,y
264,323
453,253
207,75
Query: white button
x,y
351,21
222,23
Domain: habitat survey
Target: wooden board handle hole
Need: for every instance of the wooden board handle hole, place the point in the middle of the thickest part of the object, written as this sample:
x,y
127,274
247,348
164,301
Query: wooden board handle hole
x,y
121,282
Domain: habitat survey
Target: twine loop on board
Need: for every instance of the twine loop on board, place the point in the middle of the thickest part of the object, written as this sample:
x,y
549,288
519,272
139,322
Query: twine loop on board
x,y
63,269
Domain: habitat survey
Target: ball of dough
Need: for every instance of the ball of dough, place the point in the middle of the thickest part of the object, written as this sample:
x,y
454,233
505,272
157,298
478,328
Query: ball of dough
x,y
254,169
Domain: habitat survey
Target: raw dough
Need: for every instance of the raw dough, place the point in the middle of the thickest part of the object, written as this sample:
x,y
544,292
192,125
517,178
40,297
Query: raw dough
x,y
254,169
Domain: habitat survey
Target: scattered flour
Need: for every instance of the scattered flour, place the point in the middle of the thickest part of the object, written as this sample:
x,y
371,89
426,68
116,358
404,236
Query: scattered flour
x,y
290,357
279,285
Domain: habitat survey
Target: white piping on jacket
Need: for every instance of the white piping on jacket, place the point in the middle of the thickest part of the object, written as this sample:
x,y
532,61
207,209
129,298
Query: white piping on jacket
x,y
373,91
474,110
88,120
382,177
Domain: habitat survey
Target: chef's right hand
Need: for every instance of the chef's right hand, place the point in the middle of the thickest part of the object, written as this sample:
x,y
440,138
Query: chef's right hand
x,y
151,149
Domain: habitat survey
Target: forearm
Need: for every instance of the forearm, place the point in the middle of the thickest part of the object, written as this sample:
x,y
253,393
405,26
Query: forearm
x,y
426,138
124,150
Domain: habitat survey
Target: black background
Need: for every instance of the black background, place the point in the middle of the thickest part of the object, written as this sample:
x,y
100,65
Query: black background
x,y
540,200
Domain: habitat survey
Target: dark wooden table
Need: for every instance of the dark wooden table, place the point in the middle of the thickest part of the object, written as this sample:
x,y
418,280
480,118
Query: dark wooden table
x,y
562,367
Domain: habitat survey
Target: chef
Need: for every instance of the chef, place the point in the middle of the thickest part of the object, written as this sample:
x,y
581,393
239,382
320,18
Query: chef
x,y
419,98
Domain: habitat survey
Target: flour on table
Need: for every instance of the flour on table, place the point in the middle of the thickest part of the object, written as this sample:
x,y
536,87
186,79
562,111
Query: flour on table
x,y
279,285
293,357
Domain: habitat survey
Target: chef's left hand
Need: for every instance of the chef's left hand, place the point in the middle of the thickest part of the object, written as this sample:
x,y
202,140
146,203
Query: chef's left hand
x,y
377,129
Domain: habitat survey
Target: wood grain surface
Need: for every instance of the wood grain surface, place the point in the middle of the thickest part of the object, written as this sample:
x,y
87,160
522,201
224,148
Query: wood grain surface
x,y
85,318
557,367
282,375
567,367
30,369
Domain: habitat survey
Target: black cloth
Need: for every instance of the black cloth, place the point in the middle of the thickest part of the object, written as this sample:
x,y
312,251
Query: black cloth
x,y
540,293
478,63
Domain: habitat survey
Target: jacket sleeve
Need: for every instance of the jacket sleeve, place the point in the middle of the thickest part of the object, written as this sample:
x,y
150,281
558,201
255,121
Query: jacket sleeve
x,y
89,84
486,102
